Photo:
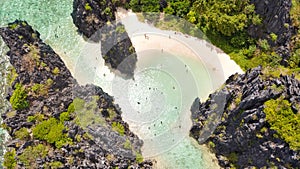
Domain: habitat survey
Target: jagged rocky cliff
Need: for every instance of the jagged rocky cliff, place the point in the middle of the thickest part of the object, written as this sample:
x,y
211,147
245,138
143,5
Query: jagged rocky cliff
x,y
56,123
242,137
275,15
96,20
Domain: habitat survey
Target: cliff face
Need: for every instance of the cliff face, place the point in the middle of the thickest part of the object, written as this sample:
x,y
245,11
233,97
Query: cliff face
x,y
90,15
96,20
55,121
243,136
275,16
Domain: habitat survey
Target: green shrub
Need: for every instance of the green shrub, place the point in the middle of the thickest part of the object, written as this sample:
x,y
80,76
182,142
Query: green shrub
x,y
264,45
22,133
9,159
32,153
211,145
54,165
49,82
36,87
294,60
273,37
118,127
278,89
65,116
51,130
18,98
256,20
120,29
224,16
282,119
43,64
56,71
139,157
112,113
127,144
107,11
144,6
39,89
71,108
38,117
13,26
87,113
169,10
30,119
12,75
87,7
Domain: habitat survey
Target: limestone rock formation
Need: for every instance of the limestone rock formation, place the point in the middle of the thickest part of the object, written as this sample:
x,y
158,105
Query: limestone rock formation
x,y
242,137
53,120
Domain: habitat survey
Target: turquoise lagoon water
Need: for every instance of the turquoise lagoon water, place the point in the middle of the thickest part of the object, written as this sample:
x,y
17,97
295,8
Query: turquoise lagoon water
x,y
156,104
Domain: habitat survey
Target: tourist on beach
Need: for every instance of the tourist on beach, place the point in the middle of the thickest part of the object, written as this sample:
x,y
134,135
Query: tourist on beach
x,y
146,37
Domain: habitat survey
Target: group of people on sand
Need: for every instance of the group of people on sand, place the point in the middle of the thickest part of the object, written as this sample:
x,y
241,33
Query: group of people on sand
x,y
147,37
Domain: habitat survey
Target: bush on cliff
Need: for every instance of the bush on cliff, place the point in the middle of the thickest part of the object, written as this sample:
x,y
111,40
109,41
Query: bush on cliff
x,y
9,159
282,119
52,131
32,153
18,98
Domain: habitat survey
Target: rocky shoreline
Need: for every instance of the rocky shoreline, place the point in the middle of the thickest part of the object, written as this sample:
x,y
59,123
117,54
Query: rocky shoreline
x,y
243,137
54,122
97,22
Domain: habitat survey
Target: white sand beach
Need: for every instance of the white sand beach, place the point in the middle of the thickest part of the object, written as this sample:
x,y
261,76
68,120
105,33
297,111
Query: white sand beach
x,y
215,60
217,63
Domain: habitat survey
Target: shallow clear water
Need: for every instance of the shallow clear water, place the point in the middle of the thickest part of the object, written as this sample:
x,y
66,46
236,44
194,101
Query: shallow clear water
x,y
156,104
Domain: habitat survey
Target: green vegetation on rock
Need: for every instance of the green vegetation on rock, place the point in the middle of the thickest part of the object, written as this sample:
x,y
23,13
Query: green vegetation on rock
x,y
87,113
9,159
87,7
38,117
22,133
39,89
224,16
18,98
283,120
54,165
118,127
32,153
139,157
56,71
144,6
52,131
12,75
127,144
